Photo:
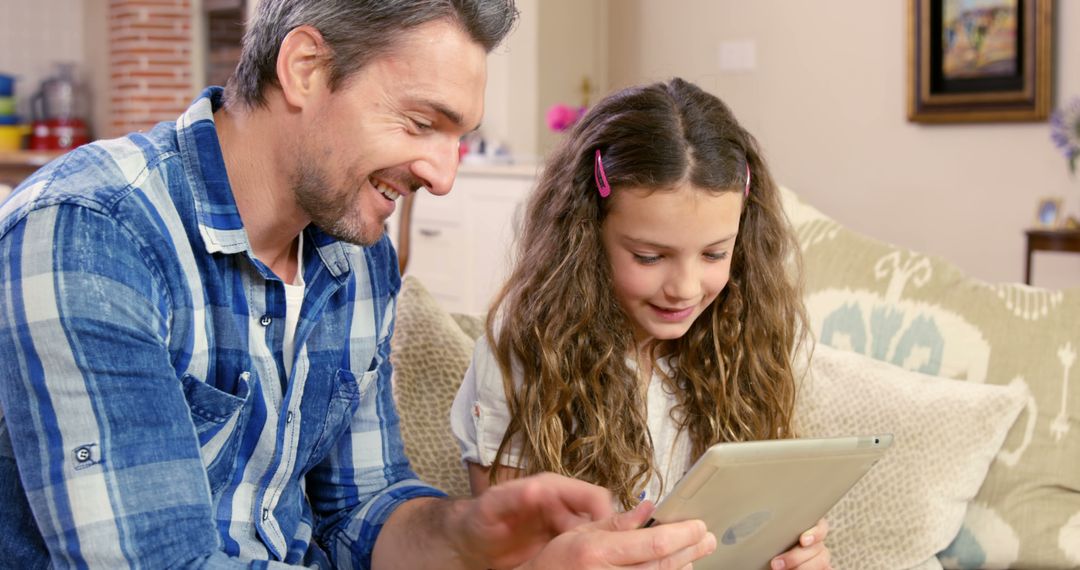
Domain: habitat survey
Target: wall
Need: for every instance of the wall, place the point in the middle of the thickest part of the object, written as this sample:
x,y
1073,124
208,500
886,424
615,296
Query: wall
x,y
511,113
95,30
579,52
555,45
35,36
827,102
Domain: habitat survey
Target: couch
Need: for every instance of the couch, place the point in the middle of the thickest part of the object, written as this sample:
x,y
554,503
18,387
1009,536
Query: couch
x,y
972,378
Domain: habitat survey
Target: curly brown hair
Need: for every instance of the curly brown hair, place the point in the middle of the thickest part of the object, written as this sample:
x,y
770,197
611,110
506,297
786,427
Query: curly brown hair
x,y
579,409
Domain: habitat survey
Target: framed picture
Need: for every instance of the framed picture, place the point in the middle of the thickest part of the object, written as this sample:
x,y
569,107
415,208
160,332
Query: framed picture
x,y
979,60
1048,214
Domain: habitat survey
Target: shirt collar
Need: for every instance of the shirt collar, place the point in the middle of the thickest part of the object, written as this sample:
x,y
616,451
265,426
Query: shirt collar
x,y
219,221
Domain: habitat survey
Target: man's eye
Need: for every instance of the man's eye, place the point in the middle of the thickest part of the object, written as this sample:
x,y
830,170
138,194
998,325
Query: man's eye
x,y
420,125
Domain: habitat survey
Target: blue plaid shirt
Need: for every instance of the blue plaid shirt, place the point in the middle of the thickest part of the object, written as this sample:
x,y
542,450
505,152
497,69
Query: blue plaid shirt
x,y
147,417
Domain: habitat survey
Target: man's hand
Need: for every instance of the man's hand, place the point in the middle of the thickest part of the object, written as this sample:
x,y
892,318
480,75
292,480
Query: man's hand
x,y
549,521
510,522
618,542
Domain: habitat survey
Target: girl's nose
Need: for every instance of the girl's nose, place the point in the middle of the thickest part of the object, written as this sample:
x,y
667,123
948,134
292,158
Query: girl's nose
x,y
684,282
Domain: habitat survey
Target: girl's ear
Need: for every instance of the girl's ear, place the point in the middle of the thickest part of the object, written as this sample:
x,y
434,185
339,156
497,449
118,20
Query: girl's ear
x,y
301,66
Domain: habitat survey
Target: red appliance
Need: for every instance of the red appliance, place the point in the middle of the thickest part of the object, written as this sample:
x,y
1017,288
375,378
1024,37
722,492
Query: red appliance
x,y
59,107
58,134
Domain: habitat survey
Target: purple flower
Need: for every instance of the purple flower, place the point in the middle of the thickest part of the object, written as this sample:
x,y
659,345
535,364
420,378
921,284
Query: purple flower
x,y
561,116
1065,131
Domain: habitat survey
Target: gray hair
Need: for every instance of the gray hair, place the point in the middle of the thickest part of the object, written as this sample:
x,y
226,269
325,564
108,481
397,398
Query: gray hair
x,y
356,31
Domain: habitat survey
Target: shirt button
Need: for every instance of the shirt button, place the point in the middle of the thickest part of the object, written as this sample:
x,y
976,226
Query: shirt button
x,y
266,514
265,320
82,454
288,418
245,376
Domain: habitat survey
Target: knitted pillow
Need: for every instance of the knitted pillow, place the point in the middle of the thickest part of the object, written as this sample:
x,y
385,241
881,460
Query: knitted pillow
x,y
430,351
922,313
912,503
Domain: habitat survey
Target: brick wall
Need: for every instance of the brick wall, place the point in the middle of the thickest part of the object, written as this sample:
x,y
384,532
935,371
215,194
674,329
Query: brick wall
x,y
224,35
150,55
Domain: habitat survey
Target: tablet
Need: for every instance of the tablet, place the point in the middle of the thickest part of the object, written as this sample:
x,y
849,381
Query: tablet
x,y
757,497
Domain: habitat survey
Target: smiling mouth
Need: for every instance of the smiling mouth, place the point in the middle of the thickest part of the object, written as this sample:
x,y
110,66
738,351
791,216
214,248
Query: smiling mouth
x,y
673,314
387,191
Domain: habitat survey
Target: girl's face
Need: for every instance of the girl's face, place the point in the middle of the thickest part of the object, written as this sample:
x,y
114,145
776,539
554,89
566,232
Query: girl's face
x,y
670,254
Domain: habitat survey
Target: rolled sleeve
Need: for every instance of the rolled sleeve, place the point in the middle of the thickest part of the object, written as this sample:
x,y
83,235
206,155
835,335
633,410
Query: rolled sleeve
x,y
480,414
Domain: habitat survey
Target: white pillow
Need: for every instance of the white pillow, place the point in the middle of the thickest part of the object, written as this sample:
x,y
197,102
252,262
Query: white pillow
x,y
911,505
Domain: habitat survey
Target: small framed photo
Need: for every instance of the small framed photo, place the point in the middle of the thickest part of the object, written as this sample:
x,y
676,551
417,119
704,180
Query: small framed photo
x,y
1048,215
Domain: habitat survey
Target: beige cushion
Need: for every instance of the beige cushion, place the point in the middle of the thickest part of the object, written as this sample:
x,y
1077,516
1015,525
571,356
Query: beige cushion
x,y
912,503
430,351
922,313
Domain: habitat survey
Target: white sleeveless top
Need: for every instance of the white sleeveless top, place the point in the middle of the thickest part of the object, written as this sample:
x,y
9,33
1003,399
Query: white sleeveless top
x,y
479,419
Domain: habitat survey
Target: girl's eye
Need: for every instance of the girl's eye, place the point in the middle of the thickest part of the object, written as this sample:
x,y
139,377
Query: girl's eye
x,y
646,259
716,256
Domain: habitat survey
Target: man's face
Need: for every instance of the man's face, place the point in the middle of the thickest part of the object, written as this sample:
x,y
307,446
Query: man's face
x,y
390,129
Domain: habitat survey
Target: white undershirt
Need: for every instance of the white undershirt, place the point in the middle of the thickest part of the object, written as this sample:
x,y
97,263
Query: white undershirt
x,y
294,299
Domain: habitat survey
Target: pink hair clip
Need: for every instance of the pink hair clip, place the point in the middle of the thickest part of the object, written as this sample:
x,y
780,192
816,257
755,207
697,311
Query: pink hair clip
x,y
601,177
746,192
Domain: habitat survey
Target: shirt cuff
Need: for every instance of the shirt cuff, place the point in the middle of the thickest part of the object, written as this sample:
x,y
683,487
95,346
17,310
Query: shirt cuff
x,y
364,529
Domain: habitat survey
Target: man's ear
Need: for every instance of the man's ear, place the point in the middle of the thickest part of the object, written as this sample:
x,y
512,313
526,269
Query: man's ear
x,y
301,65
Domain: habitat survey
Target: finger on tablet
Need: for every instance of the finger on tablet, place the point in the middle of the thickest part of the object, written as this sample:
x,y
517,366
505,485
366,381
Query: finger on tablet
x,y
678,544
816,534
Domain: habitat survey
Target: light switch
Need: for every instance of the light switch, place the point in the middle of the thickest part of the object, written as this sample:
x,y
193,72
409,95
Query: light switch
x,y
737,55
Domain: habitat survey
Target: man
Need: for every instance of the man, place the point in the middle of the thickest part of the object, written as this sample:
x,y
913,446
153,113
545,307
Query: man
x,y
195,328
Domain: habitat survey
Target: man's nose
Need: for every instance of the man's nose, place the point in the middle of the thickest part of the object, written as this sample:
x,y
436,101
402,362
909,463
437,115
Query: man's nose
x,y
439,167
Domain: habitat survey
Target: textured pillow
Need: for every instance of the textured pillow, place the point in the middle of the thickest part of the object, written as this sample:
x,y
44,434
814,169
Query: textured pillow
x,y
430,351
922,313
912,503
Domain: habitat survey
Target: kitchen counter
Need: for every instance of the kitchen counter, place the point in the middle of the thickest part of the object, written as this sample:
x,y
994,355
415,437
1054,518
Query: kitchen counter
x,y
15,165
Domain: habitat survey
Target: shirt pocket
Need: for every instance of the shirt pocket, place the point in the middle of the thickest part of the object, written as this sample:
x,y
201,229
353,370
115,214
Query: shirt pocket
x,y
219,419
344,400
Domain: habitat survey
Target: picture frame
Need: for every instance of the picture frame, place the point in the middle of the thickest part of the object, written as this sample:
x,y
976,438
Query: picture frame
x,y
979,60
1048,214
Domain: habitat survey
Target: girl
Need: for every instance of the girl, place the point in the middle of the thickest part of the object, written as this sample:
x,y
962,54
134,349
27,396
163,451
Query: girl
x,y
649,314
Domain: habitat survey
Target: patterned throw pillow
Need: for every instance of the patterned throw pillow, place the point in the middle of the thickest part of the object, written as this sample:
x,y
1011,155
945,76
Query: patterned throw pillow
x,y
911,504
430,351
923,314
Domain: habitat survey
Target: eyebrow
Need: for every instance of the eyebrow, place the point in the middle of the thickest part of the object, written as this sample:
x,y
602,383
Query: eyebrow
x,y
450,114
656,245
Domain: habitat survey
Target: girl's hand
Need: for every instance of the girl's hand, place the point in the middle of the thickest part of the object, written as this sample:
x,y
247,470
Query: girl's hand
x,y
809,554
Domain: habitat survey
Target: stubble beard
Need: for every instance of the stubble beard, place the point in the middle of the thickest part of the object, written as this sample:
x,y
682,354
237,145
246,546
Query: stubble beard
x,y
333,210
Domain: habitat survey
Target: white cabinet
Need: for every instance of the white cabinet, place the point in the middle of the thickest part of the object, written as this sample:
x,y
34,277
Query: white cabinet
x,y
461,243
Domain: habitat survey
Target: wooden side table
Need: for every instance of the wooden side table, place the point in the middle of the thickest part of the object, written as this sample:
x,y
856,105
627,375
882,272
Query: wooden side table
x,y
1049,240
